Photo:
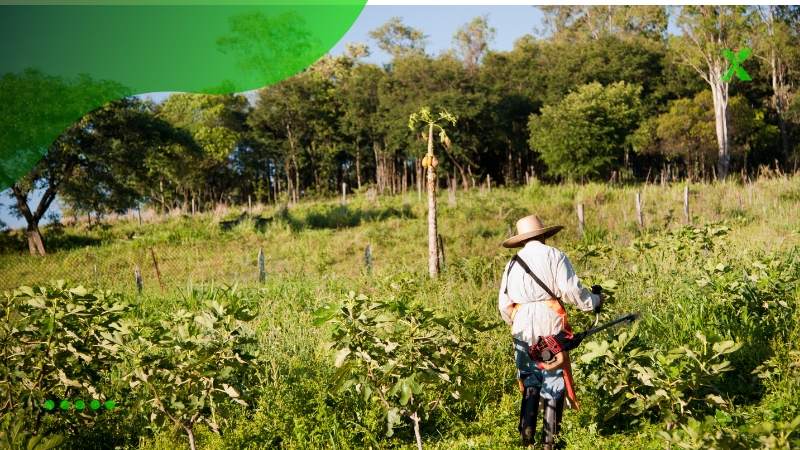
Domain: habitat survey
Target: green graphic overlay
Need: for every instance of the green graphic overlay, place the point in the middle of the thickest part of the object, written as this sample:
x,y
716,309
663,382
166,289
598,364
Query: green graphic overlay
x,y
62,59
79,405
735,65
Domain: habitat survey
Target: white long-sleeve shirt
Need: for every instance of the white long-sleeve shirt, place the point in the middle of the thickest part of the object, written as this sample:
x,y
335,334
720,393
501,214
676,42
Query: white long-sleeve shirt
x,y
534,318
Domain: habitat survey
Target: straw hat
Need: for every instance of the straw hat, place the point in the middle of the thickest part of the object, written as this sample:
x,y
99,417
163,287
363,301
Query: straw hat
x,y
529,227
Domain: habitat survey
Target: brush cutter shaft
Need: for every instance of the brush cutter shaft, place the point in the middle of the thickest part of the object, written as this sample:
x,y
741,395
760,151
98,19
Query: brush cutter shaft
x,y
547,347
628,318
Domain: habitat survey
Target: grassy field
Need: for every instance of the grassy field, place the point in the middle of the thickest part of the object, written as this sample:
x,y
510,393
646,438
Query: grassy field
x,y
733,273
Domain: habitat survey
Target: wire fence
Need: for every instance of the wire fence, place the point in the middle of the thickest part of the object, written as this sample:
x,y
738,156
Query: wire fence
x,y
144,270
246,254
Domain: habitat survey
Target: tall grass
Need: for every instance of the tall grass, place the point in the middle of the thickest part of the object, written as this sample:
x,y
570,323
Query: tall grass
x,y
314,254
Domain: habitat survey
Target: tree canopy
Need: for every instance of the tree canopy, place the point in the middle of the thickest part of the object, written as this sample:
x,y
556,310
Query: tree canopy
x,y
606,90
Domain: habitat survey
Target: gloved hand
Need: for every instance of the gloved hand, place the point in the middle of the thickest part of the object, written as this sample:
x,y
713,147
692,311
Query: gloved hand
x,y
597,289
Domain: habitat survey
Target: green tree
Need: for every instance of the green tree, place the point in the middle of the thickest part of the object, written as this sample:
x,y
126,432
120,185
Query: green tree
x,y
441,83
357,90
707,31
588,130
686,132
192,362
472,41
780,43
58,342
200,168
398,40
579,23
286,110
118,142
54,170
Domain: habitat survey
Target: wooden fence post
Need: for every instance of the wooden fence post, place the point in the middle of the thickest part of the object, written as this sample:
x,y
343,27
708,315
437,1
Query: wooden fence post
x,y
139,213
686,203
368,258
344,193
639,212
580,219
249,205
489,182
158,273
262,274
441,253
138,275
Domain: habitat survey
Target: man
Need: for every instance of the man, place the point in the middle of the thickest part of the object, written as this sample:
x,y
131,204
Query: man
x,y
534,308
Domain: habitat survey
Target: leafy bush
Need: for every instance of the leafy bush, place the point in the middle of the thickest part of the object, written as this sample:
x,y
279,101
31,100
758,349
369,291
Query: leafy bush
x,y
193,362
411,358
672,385
57,342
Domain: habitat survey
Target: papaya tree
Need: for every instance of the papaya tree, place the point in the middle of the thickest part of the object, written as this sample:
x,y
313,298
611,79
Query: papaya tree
x,y
429,162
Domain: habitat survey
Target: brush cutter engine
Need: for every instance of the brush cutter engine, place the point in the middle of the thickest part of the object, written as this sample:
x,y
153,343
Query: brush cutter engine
x,y
547,347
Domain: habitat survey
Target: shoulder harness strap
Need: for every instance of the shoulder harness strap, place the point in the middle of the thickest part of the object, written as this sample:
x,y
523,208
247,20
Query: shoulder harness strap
x,y
528,270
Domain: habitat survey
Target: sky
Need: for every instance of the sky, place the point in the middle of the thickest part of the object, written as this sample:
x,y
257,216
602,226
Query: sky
x,y
439,23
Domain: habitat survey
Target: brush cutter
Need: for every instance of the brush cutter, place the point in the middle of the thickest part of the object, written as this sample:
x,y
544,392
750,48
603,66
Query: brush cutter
x,y
547,347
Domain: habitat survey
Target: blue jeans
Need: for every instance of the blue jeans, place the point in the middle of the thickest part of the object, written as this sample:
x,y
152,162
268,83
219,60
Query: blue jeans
x,y
550,382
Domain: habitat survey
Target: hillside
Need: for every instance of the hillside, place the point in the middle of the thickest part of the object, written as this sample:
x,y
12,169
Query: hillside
x,y
729,276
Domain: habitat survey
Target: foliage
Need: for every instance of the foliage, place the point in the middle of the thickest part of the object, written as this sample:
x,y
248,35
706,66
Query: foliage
x,y
397,39
13,437
412,359
424,115
472,40
587,131
674,385
57,342
732,273
580,23
193,362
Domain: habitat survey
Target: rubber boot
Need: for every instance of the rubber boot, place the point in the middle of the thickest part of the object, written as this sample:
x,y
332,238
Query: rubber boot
x,y
553,411
528,415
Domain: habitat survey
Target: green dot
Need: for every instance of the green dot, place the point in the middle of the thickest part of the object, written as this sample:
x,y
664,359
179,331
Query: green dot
x,y
79,404
95,404
49,405
64,404
110,404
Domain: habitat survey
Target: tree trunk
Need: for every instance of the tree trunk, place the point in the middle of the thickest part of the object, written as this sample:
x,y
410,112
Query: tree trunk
x,y
296,179
778,87
358,166
720,92
405,176
777,98
378,166
35,243
433,248
163,199
418,178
